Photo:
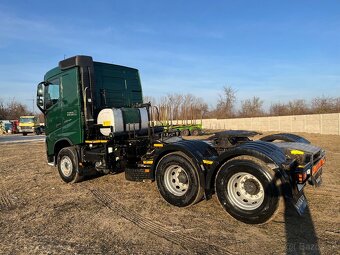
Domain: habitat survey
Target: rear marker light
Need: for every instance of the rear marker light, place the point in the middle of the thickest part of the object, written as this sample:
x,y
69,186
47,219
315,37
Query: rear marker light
x,y
318,165
301,177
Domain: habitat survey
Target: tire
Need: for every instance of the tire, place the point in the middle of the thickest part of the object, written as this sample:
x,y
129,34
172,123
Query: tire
x,y
185,132
177,180
247,189
68,165
196,132
24,134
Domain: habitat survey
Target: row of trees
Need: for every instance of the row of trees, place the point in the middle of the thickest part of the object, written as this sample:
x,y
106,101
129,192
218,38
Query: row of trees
x,y
183,107
178,107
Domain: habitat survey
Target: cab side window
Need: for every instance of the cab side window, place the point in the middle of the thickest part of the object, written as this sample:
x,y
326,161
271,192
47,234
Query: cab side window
x,y
52,93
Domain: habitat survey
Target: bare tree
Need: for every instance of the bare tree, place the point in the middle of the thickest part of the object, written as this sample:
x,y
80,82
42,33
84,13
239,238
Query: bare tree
x,y
297,107
278,109
3,110
226,103
251,107
149,99
337,105
322,105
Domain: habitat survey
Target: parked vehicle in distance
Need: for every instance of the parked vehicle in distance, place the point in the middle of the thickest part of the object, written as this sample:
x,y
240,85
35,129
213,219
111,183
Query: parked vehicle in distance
x,y
29,124
15,126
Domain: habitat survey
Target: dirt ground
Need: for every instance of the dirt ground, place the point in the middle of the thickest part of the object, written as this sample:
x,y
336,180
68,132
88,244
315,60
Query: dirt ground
x,y
39,214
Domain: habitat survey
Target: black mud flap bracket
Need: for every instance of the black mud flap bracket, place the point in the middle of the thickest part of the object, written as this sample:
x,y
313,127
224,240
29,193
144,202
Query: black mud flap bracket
x,y
299,201
316,180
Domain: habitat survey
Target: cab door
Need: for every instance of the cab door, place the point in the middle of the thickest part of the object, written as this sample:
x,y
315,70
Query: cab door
x,y
53,118
72,127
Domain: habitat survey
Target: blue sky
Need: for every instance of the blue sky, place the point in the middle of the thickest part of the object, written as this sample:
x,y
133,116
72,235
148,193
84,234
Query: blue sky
x,y
276,50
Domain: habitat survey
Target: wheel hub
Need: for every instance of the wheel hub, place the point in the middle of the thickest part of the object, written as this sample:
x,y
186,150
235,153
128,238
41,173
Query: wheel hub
x,y
176,180
251,187
66,166
182,178
245,191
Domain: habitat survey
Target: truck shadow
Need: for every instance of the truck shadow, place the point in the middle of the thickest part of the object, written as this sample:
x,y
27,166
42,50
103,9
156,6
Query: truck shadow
x,y
301,237
91,174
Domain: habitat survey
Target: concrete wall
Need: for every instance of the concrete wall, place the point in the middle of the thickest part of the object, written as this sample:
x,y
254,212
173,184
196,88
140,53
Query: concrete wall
x,y
315,123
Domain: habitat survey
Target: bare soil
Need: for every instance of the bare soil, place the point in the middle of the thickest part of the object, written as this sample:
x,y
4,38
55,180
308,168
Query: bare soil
x,y
39,214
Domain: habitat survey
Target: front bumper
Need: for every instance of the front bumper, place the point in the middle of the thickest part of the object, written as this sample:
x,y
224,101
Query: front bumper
x,y
26,129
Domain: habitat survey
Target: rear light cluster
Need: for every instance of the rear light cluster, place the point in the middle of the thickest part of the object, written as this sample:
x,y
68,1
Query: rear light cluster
x,y
301,177
305,172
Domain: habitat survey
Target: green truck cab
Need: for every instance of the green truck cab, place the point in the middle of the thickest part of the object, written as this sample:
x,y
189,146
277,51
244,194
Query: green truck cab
x,y
73,93
95,119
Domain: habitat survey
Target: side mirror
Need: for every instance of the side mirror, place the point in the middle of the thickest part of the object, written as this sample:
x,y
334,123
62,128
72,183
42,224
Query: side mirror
x,y
40,96
40,90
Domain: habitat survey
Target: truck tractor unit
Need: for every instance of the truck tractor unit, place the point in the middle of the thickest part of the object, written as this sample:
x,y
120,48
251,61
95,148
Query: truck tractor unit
x,y
95,119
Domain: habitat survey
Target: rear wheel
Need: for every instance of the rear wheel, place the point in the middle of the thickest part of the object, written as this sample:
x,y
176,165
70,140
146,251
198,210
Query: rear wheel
x,y
177,180
247,190
185,132
68,165
196,132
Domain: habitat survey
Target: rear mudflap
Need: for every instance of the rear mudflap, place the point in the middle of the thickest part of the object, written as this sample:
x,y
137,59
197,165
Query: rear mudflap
x,y
299,202
295,195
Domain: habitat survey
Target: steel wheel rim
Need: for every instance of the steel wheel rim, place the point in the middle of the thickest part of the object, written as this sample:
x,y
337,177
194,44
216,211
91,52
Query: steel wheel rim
x,y
66,166
176,180
245,191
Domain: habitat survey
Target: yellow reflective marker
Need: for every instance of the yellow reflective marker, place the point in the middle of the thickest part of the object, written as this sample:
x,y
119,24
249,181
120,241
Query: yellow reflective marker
x,y
208,162
159,145
148,162
296,152
96,141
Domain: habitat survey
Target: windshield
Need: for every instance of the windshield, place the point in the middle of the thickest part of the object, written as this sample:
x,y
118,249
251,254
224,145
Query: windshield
x,y
26,120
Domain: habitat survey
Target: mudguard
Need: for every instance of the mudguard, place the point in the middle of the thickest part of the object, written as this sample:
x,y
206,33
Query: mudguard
x,y
265,151
195,149
284,137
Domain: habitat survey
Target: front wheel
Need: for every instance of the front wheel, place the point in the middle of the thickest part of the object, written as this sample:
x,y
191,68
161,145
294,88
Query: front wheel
x,y
177,180
246,188
68,165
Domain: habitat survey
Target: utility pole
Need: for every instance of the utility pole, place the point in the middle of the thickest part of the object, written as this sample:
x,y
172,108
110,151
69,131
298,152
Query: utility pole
x,y
33,109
